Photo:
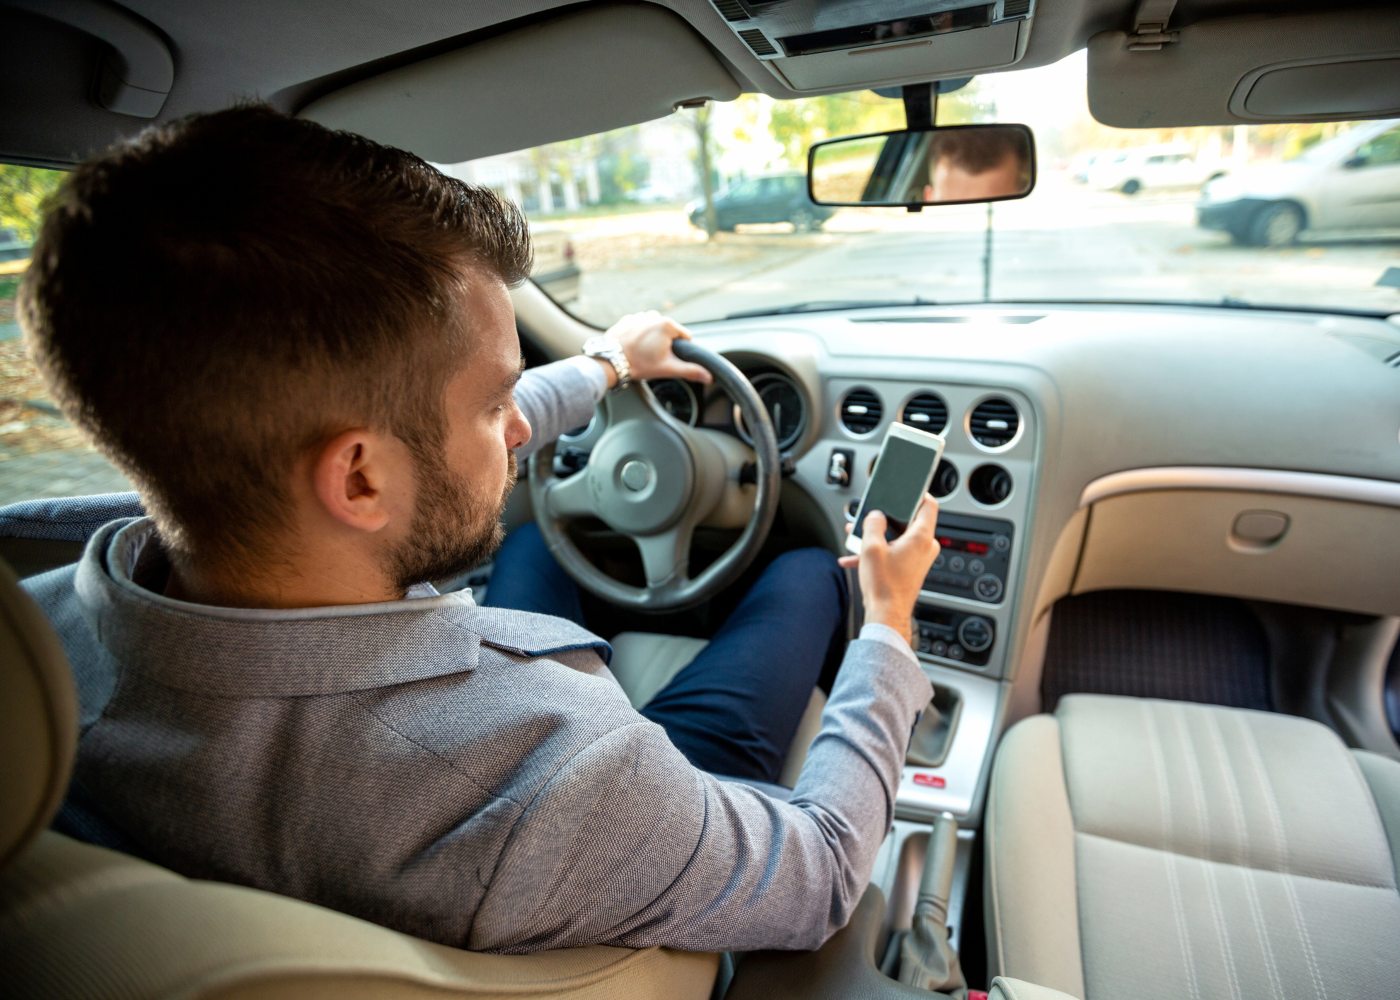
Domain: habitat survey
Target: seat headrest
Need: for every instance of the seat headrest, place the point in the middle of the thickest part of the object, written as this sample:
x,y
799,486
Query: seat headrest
x,y
38,719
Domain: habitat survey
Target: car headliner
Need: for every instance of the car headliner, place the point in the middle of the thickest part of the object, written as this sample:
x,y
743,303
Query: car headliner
x,y
290,54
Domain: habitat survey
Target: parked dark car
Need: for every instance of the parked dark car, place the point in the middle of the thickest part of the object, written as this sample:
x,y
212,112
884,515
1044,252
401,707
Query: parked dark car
x,y
775,198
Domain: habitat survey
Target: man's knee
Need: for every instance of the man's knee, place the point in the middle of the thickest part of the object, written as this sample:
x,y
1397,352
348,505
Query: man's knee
x,y
814,570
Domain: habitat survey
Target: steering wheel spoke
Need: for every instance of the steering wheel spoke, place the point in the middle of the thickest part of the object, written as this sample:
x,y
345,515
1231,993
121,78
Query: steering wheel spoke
x,y
570,498
666,556
632,403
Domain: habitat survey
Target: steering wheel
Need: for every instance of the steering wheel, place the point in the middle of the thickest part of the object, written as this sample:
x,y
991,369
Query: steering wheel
x,y
655,479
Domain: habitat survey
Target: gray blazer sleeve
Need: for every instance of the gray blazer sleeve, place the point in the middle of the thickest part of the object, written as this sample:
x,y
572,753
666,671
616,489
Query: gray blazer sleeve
x,y
629,844
558,397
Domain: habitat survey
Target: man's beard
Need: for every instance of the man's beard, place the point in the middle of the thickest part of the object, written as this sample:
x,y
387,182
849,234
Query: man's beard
x,y
452,530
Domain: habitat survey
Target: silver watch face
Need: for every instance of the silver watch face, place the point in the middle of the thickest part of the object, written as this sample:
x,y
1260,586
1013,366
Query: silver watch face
x,y
601,345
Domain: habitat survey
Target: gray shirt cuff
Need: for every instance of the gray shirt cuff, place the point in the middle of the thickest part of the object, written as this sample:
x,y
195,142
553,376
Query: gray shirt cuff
x,y
593,371
888,636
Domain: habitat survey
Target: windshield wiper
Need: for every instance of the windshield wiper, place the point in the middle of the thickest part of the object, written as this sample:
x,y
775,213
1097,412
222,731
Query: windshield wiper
x,y
831,306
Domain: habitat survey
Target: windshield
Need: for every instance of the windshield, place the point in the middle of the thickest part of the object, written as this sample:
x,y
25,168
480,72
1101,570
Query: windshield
x,y
704,214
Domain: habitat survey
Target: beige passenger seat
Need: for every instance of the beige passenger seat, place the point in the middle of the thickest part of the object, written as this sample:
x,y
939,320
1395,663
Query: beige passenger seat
x,y
78,921
1149,849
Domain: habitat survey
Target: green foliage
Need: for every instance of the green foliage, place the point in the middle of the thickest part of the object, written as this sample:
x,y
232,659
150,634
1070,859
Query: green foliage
x,y
798,124
23,193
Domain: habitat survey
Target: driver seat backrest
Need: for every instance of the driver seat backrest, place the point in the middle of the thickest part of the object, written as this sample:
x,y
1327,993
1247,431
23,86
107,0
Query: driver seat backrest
x,y
83,921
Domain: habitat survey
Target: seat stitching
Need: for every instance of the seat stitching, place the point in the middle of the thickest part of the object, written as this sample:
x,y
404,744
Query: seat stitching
x,y
1230,864
1256,912
1256,758
1217,913
1168,817
1370,797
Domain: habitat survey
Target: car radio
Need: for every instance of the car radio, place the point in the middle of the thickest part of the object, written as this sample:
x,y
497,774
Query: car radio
x,y
974,558
954,635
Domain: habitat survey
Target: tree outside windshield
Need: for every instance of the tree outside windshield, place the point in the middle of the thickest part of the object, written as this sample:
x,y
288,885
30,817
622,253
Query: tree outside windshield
x,y
704,214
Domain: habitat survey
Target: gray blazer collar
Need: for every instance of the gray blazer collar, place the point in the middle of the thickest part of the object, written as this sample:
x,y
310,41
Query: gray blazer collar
x,y
236,652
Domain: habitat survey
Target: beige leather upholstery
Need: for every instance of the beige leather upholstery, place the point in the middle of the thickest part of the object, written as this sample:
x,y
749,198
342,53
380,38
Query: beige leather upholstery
x,y
80,921
38,719
1015,989
1157,849
645,662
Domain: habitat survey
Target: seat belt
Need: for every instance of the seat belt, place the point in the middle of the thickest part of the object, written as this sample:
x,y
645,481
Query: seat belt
x,y
1150,32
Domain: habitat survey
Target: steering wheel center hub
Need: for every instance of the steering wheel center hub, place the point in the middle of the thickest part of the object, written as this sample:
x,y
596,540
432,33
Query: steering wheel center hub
x,y
641,475
636,475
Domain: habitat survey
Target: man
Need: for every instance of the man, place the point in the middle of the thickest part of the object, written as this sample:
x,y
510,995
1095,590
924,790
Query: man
x,y
300,346
975,164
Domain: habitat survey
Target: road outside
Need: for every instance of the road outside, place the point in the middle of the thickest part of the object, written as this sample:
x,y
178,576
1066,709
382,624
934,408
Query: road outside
x,y
1065,242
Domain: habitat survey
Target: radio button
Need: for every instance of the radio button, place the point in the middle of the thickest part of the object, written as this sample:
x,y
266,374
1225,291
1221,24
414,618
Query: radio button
x,y
1001,543
940,562
955,652
988,588
939,648
957,564
976,567
975,634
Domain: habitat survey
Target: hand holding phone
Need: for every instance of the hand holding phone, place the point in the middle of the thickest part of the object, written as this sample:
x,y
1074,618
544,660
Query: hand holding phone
x,y
893,536
892,573
901,478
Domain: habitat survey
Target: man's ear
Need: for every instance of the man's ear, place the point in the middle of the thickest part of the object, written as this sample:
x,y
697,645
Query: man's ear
x,y
350,475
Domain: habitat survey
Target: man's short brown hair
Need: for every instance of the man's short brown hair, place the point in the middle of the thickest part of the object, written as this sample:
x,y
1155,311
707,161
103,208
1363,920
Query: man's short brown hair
x,y
977,150
226,292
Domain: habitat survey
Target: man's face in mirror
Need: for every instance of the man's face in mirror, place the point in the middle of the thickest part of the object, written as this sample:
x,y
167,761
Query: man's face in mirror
x,y
976,166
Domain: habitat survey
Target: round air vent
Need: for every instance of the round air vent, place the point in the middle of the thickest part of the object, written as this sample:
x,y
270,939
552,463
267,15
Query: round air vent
x,y
994,422
927,412
861,411
990,485
945,480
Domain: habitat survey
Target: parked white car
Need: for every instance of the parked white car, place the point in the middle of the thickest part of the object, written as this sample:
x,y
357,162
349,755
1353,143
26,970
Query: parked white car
x,y
1149,168
1347,183
556,270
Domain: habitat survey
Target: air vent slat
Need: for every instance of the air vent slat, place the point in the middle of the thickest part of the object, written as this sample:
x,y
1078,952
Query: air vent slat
x,y
1011,8
928,412
731,10
861,411
1394,360
758,42
994,422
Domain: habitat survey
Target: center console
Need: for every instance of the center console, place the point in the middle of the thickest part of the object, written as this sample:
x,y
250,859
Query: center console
x,y
964,619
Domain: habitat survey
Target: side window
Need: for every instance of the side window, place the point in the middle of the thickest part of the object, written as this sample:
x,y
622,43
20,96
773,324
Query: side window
x,y
1383,150
41,453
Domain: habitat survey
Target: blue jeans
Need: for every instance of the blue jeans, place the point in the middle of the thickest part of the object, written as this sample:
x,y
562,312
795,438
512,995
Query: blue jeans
x,y
734,709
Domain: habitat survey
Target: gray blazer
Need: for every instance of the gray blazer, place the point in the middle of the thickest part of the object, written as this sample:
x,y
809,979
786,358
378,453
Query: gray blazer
x,y
469,775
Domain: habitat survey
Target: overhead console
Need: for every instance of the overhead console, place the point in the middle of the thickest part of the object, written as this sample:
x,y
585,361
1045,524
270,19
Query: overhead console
x,y
824,44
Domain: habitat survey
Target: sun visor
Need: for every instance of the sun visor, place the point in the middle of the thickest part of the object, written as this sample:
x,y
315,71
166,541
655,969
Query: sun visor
x,y
585,72
1248,70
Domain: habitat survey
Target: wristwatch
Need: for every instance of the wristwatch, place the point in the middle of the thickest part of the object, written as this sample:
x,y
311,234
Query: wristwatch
x,y
609,348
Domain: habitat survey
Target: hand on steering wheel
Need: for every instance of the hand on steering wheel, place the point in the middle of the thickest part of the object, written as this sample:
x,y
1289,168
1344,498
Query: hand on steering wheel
x,y
655,479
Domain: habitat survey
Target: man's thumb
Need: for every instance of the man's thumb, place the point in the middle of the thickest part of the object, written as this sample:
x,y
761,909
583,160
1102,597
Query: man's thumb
x,y
874,529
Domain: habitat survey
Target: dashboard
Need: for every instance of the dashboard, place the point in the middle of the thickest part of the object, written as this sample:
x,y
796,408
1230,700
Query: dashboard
x,y
1043,405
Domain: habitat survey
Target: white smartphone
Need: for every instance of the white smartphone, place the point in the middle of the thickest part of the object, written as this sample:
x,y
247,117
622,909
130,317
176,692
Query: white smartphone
x,y
902,475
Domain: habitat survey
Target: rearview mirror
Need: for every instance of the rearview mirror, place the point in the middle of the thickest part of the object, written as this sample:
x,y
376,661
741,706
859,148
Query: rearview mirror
x,y
953,165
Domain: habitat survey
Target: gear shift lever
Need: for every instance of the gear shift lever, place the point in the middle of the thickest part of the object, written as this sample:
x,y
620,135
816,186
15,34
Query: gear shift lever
x,y
926,959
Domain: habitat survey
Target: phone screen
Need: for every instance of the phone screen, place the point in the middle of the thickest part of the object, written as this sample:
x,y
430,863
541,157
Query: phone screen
x,y
901,477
